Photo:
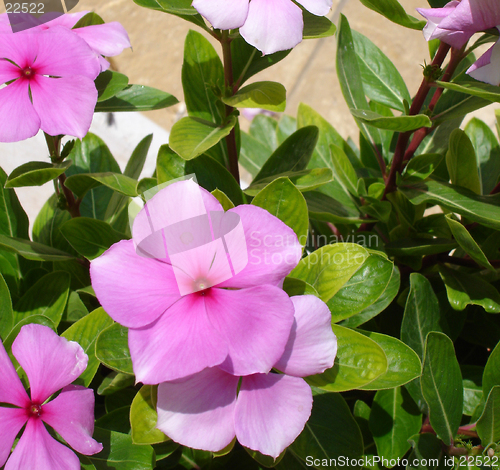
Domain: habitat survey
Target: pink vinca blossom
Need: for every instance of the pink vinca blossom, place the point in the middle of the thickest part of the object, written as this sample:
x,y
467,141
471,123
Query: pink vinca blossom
x,y
51,363
268,25
108,40
49,79
270,410
215,302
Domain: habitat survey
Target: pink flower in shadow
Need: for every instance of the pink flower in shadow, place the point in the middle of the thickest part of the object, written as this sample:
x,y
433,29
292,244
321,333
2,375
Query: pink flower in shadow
x,y
51,363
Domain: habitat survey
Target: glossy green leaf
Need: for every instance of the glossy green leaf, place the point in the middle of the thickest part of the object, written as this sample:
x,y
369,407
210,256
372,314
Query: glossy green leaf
x,y
180,8
420,246
422,166
316,26
395,123
82,183
46,297
136,98
109,83
473,389
442,386
90,237
465,289
143,417
90,19
482,209
394,418
293,286
403,364
85,333
491,375
393,11
36,173
474,88
115,382
13,219
461,162
116,420
344,171
225,202
265,95
467,243
7,316
112,349
32,250
324,208
283,200
191,137
427,452
488,426
359,361
331,432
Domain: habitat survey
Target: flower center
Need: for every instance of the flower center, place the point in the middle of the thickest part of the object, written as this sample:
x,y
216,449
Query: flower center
x,y
28,72
35,411
201,286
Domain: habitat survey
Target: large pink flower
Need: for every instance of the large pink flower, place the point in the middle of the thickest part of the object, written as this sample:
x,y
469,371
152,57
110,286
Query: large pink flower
x,y
51,363
268,25
270,410
50,84
230,312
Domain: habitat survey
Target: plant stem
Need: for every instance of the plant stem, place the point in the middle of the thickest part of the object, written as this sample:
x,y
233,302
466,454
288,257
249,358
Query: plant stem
x,y
230,86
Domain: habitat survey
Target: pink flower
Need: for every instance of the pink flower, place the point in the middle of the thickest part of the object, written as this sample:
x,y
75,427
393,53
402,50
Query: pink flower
x,y
487,67
239,322
106,40
50,84
268,25
270,410
51,363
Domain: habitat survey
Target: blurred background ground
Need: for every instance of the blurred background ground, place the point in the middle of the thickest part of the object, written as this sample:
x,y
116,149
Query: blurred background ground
x,y
308,74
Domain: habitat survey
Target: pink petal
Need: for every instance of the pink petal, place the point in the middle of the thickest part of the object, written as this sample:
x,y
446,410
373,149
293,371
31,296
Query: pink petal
x,y
223,14
5,23
473,15
8,71
180,343
50,362
71,414
62,53
312,345
68,20
11,388
487,67
11,422
254,322
37,449
65,105
271,411
18,118
273,25
198,411
133,290
106,39
273,249
20,49
317,7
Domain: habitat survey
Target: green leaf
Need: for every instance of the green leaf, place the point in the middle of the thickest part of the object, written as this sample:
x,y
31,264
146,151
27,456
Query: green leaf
x,y
115,382
488,426
225,202
109,83
403,364
32,250
265,95
191,137
324,208
294,286
394,12
82,183
47,297
316,26
465,289
13,219
7,316
120,452
419,246
442,386
474,88
344,171
136,98
329,268
427,452
467,243
292,155
112,349
491,375
422,166
392,123
394,418
331,432
265,460
143,417
381,80
36,173
461,162
283,200
180,8
90,19
473,389
363,289
85,332
359,361
90,237
116,420
482,209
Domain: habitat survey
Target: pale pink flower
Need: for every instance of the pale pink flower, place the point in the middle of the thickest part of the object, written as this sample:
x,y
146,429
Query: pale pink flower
x,y
487,67
239,322
270,410
51,363
268,25
49,79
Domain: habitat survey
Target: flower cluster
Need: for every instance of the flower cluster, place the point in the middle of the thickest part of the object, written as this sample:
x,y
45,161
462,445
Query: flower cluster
x,y
268,25
203,302
51,363
457,22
